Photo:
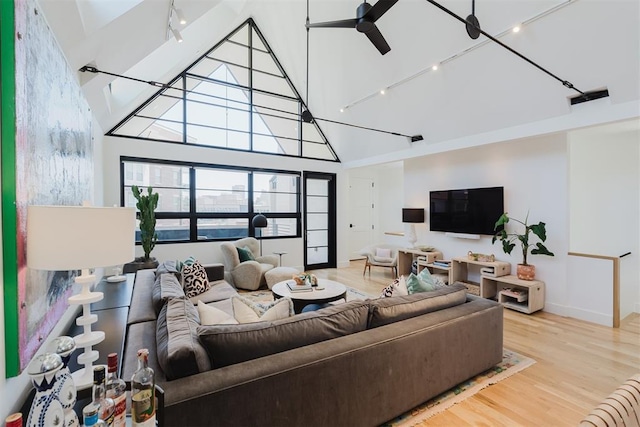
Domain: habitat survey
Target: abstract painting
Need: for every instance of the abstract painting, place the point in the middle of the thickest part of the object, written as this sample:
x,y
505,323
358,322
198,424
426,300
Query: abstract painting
x,y
53,165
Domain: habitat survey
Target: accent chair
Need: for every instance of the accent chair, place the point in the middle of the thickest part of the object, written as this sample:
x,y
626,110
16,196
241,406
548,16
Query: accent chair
x,y
247,273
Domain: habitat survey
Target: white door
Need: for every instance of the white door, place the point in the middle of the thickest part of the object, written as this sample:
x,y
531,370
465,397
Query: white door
x,y
361,209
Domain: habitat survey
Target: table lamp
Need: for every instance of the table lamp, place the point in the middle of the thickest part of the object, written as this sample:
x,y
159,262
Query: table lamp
x,y
259,221
63,238
412,216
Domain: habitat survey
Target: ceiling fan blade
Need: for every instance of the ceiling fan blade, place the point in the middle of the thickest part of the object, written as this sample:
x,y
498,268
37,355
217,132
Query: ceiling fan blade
x,y
379,9
345,23
378,41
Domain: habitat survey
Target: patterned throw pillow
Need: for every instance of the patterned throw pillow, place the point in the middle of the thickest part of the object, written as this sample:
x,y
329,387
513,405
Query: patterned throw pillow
x,y
247,311
397,288
195,280
245,254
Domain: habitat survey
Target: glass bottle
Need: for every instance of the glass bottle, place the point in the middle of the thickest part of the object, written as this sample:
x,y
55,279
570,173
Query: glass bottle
x,y
100,407
143,401
116,390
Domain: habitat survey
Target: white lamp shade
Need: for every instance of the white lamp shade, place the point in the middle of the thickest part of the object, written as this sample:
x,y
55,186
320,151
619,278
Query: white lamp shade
x,y
63,238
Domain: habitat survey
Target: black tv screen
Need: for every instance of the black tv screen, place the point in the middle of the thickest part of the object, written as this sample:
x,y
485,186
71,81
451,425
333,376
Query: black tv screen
x,y
468,211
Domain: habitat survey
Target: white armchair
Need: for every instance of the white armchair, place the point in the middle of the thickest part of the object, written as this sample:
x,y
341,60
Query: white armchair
x,y
382,255
248,274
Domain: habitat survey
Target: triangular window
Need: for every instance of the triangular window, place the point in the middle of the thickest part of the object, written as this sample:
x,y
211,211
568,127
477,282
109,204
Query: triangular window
x,y
236,96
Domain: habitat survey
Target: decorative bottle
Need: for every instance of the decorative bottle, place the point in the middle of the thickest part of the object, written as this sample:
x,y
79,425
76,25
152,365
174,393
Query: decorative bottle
x,y
46,409
116,390
143,396
100,407
65,388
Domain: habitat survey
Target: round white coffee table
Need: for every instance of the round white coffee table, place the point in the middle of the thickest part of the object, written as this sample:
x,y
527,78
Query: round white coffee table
x,y
332,291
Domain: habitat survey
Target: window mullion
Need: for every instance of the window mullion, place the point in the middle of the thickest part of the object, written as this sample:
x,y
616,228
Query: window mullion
x,y
193,218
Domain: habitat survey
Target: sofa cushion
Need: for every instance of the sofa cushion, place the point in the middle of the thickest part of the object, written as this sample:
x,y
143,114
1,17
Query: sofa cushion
x,y
178,349
194,278
388,310
217,291
166,287
230,344
141,308
168,267
141,335
247,311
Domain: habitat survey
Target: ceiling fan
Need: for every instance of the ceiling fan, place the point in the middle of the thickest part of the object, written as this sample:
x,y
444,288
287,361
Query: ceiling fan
x,y
364,22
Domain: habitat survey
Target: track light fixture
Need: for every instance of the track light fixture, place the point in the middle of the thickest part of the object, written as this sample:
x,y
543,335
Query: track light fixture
x,y
176,34
170,24
181,19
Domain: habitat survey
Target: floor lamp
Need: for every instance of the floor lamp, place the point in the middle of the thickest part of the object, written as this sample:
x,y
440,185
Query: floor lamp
x,y
63,238
412,216
259,221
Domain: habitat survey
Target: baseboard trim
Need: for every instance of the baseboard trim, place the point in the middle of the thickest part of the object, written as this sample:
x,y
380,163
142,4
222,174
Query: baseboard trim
x,y
580,314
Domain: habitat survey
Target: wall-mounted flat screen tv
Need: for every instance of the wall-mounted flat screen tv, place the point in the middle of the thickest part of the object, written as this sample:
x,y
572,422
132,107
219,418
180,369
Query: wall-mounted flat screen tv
x,y
467,211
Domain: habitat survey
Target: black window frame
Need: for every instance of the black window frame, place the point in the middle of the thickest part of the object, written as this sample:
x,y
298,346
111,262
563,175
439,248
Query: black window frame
x,y
193,215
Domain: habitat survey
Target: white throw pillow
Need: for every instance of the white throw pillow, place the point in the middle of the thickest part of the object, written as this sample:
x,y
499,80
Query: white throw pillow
x,y
246,311
214,316
383,253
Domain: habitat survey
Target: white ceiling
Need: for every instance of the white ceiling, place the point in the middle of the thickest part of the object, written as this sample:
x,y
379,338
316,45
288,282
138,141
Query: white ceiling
x,y
591,43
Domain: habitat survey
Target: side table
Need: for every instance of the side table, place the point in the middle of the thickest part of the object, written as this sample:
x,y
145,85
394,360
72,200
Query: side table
x,y
280,255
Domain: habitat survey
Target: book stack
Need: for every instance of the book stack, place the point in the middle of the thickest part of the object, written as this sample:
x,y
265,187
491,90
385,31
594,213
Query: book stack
x,y
445,263
519,294
293,287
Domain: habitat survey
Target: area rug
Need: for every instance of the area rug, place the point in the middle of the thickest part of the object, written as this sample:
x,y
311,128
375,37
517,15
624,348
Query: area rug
x,y
511,364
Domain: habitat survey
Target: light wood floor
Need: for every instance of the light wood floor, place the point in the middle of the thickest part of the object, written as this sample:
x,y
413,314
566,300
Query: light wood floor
x,y
577,364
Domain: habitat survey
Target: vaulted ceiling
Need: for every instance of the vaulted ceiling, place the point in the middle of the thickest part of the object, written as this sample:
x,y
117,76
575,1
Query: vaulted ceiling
x,y
479,88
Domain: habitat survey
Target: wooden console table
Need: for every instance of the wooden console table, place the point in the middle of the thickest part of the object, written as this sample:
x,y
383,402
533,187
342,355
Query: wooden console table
x,y
406,256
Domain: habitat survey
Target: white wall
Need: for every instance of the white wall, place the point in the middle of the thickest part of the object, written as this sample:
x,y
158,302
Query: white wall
x,y
533,172
388,198
604,191
208,252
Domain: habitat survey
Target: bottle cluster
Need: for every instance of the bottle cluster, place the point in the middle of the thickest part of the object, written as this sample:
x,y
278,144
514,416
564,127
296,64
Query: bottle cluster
x,y
108,407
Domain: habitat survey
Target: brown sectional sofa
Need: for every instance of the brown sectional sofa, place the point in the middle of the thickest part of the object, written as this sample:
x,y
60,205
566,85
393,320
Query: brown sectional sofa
x,y
359,363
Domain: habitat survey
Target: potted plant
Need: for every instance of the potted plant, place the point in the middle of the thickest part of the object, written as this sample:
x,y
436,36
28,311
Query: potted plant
x,y
146,204
525,270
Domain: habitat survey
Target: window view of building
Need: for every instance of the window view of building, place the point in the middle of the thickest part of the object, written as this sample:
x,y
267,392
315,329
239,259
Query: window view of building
x,y
199,202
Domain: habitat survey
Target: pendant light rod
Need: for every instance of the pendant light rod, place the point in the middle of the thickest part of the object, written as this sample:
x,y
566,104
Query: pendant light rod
x,y
412,137
493,39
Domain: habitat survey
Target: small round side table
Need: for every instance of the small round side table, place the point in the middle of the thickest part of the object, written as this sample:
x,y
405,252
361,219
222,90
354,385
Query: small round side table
x,y
280,255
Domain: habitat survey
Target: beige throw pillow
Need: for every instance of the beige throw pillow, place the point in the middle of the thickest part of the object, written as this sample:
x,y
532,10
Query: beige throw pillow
x,y
214,316
246,311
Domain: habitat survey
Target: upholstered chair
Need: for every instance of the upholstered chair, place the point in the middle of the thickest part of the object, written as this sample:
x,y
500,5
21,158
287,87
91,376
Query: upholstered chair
x,y
246,274
382,255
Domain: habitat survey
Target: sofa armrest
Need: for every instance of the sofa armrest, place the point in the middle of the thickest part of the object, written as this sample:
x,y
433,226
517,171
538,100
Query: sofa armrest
x,y
215,272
